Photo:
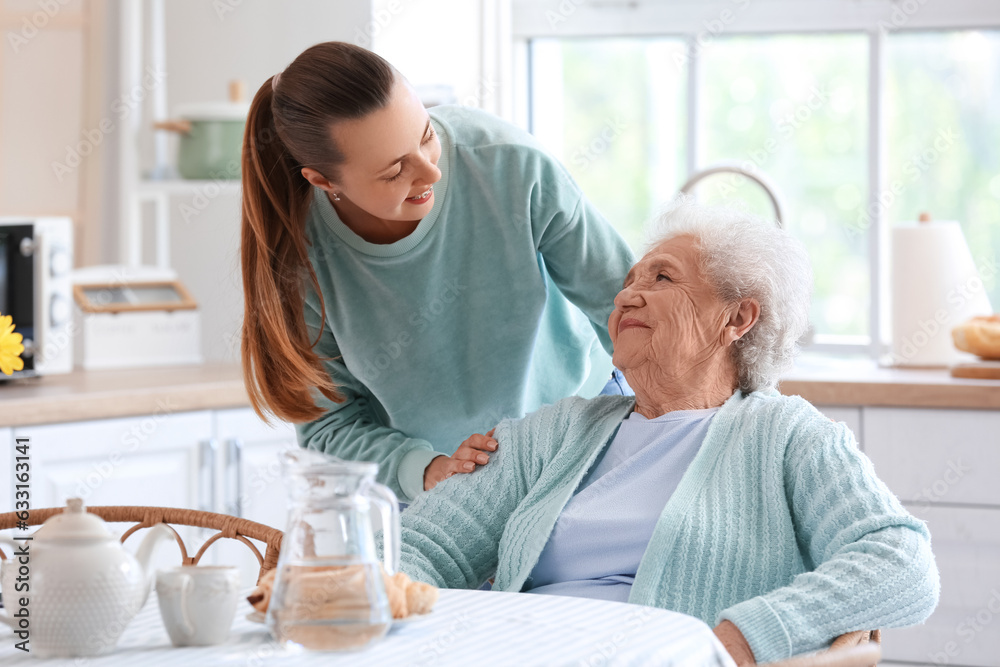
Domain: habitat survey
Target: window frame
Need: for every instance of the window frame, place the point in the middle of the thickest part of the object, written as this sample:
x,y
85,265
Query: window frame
x,y
699,23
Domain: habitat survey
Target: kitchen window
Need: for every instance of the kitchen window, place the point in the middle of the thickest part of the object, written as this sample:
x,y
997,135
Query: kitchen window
x,y
860,121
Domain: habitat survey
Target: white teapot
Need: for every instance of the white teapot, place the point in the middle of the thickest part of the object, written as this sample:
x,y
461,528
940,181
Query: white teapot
x,y
83,587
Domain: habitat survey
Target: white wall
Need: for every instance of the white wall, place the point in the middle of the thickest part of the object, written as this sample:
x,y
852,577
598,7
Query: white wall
x,y
207,48
43,92
42,95
256,39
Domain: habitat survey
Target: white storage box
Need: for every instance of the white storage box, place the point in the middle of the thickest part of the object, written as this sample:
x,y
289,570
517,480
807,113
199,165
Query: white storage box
x,y
149,323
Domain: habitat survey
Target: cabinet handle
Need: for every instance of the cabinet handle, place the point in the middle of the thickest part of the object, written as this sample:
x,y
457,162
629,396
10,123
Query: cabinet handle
x,y
234,474
206,474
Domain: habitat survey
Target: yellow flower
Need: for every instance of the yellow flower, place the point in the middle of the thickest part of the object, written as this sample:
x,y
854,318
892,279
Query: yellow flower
x,y
10,347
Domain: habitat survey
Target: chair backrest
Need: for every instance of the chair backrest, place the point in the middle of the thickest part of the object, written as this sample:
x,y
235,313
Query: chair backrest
x,y
230,527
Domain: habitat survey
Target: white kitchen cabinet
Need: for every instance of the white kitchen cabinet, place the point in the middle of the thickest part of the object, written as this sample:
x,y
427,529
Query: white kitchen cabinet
x,y
965,627
152,460
849,415
251,477
147,460
223,461
928,455
944,464
252,447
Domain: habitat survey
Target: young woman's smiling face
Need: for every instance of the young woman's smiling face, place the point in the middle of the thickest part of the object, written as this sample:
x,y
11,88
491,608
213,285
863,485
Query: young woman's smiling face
x,y
390,162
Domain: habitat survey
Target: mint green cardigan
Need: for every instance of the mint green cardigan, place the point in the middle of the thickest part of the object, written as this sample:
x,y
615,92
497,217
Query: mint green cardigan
x,y
779,525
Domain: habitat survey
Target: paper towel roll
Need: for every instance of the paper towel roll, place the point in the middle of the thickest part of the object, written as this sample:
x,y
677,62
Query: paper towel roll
x,y
935,286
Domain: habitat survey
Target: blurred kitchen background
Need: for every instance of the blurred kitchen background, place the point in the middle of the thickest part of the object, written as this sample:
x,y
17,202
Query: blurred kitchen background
x,y
836,101
858,115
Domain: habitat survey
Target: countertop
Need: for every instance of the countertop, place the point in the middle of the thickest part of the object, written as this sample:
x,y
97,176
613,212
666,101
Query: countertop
x,y
836,381
84,395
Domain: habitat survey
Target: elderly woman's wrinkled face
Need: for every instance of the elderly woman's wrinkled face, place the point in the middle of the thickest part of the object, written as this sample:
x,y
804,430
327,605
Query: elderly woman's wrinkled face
x,y
667,316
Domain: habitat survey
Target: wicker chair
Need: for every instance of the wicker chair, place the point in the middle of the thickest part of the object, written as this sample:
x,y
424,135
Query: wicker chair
x,y
855,649
145,517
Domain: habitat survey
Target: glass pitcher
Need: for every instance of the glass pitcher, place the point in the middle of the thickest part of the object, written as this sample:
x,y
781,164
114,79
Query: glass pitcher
x,y
328,590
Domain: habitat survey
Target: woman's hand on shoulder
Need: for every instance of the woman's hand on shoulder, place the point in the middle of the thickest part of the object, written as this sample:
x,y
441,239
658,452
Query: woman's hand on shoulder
x,y
471,453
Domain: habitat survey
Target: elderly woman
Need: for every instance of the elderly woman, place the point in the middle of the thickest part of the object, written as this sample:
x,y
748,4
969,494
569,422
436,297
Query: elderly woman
x,y
708,493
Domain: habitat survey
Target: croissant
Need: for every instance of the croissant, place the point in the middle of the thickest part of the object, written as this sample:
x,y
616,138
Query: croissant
x,y
324,590
408,597
260,598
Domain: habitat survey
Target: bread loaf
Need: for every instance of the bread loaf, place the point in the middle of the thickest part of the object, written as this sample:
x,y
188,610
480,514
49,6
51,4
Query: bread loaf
x,y
980,336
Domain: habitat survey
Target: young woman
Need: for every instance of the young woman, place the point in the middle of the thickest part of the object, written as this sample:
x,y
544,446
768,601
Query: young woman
x,y
411,277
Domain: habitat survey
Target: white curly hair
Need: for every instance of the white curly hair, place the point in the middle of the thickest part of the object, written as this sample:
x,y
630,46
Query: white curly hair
x,y
745,256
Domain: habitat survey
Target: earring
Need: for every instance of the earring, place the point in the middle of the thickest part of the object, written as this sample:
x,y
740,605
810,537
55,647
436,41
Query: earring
x,y
336,197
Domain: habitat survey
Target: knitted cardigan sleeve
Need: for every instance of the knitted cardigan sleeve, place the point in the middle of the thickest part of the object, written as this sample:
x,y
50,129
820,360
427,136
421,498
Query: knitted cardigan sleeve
x,y
871,561
451,534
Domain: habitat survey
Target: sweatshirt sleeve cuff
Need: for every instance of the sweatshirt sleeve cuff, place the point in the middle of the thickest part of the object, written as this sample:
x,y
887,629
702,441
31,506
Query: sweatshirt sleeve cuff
x,y
762,628
410,474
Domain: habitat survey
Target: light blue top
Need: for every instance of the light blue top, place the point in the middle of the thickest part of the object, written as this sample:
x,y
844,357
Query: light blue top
x,y
495,305
779,525
623,495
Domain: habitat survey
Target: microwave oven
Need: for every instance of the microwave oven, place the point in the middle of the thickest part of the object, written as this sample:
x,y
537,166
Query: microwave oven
x,y
36,261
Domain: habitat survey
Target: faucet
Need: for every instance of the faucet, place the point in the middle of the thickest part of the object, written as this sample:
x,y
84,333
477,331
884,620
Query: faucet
x,y
735,168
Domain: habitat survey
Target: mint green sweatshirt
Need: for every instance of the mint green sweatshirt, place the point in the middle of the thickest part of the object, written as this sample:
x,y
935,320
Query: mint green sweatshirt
x,y
495,305
779,525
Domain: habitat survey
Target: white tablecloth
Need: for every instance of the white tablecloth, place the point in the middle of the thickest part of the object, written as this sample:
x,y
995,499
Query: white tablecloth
x,y
465,628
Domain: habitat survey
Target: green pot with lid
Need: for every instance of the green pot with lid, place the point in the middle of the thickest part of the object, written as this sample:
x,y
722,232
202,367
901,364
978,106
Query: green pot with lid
x,y
211,137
